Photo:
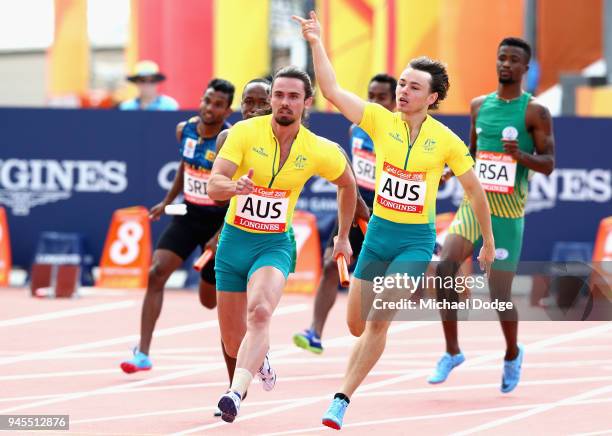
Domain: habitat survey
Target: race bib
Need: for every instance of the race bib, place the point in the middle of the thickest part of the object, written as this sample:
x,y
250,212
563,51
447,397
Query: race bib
x,y
264,209
189,149
496,171
195,187
401,190
364,166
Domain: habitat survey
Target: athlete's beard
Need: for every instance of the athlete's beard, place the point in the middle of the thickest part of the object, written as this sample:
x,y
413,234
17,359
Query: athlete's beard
x,y
284,121
508,81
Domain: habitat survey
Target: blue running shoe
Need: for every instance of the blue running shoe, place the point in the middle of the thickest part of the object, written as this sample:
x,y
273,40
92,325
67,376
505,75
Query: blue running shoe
x,y
140,362
229,405
445,366
512,372
308,340
335,414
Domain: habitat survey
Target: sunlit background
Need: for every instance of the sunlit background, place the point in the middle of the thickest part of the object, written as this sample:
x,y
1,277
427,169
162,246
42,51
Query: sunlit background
x,y
74,53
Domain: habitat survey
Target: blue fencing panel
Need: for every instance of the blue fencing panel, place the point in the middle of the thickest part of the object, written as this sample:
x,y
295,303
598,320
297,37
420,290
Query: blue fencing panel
x,y
68,170
57,248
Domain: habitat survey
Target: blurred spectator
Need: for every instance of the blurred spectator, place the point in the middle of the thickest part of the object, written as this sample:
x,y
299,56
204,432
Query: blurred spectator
x,y
532,78
147,78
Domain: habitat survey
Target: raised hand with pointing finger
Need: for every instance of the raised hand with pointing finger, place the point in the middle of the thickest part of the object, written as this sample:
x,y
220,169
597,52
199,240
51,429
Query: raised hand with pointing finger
x,y
311,28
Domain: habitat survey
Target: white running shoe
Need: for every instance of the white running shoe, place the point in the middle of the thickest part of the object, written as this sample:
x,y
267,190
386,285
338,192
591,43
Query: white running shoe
x,y
267,375
229,405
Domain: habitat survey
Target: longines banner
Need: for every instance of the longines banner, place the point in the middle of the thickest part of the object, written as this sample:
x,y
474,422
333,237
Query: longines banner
x,y
69,170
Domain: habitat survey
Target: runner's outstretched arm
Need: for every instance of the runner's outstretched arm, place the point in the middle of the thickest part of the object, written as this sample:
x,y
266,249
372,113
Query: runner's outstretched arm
x,y
349,104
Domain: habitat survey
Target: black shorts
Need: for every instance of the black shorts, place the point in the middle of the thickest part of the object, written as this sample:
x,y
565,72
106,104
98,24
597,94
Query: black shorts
x,y
355,238
186,232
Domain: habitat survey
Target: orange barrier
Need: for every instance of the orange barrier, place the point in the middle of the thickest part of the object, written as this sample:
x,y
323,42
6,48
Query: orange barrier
x,y
601,279
307,273
126,257
5,249
203,260
345,279
603,241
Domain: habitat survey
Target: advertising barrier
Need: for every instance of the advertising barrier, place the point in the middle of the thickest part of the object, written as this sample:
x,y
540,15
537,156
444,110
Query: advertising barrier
x,y
69,170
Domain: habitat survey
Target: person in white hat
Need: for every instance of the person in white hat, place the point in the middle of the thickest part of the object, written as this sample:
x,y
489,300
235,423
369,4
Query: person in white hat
x,y
147,77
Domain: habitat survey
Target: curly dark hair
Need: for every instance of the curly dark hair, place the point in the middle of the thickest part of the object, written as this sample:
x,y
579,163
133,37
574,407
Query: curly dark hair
x,y
439,77
223,86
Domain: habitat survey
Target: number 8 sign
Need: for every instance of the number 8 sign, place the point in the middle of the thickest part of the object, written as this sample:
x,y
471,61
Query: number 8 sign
x,y
127,251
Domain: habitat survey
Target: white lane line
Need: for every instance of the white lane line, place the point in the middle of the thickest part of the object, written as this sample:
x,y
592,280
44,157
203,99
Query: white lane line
x,y
197,353
90,372
329,376
547,342
473,362
279,363
594,433
395,328
126,386
395,393
535,410
174,387
108,389
379,422
130,339
67,313
159,351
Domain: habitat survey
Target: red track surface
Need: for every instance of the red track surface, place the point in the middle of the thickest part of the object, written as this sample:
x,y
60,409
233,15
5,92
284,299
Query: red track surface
x,y
68,363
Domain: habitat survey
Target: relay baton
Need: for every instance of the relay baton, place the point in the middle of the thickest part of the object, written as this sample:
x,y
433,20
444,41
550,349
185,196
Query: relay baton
x,y
343,271
203,259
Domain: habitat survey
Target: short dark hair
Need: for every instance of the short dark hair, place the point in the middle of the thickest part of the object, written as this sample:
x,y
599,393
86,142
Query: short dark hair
x,y
439,77
265,82
295,73
513,41
385,78
224,86
258,80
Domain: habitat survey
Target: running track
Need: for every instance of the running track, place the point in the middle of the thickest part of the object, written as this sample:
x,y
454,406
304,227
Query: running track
x,y
62,357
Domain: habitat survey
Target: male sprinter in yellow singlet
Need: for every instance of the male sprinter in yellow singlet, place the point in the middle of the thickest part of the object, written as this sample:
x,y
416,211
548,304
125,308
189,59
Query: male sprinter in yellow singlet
x,y
411,150
262,168
255,102
511,133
